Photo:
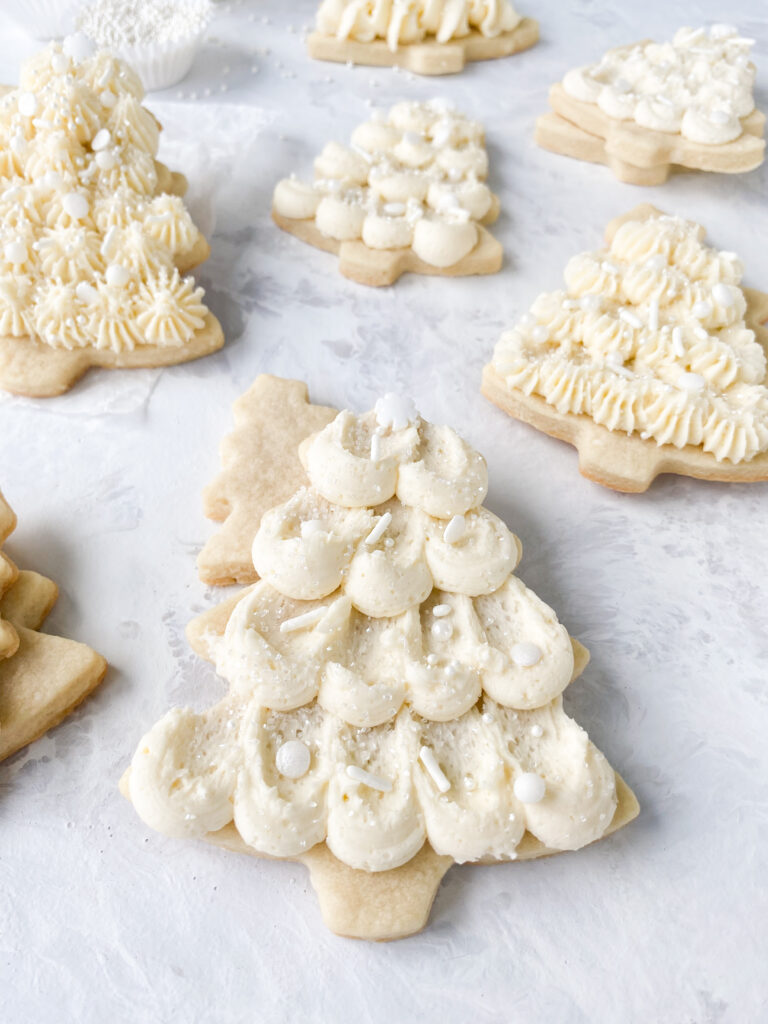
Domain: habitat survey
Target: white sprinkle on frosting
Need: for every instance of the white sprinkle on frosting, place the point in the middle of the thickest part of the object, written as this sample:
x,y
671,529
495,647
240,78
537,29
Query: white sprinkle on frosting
x,y
455,530
436,773
526,654
375,535
303,621
377,782
530,788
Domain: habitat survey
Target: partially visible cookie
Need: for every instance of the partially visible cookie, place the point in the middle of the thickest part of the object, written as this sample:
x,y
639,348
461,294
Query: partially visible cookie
x,y
427,37
95,238
652,360
44,677
648,108
407,195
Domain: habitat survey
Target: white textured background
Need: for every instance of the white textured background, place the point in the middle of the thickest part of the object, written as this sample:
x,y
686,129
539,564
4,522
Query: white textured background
x,y
667,921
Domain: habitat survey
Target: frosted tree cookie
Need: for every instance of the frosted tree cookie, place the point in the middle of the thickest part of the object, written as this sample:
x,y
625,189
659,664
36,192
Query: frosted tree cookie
x,y
651,360
407,194
428,37
42,677
647,107
95,239
395,691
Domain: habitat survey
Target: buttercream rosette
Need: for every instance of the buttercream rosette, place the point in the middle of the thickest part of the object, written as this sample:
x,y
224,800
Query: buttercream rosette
x,y
391,680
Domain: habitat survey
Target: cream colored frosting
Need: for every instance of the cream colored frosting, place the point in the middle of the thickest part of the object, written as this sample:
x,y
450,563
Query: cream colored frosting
x,y
78,207
699,85
648,338
390,680
401,22
413,178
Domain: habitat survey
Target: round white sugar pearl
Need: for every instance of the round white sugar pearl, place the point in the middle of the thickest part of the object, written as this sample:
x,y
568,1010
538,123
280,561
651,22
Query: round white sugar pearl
x,y
536,730
27,104
526,654
442,629
530,788
117,275
86,293
292,759
75,205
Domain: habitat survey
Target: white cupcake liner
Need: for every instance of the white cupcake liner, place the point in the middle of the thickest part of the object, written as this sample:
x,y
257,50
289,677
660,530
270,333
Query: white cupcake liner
x,y
43,19
161,65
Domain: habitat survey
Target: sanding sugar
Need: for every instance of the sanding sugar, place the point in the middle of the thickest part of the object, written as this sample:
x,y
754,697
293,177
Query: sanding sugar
x,y
117,23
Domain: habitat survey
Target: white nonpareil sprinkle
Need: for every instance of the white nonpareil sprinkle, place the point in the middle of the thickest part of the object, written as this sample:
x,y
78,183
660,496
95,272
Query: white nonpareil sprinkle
x,y
86,292
537,731
115,23
302,621
379,528
440,610
530,788
101,139
368,778
436,773
526,654
455,530
442,630
292,759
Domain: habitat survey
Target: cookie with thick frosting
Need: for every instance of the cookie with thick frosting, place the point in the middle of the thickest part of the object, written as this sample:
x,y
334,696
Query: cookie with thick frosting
x,y
95,240
648,108
407,194
651,360
42,677
428,37
395,691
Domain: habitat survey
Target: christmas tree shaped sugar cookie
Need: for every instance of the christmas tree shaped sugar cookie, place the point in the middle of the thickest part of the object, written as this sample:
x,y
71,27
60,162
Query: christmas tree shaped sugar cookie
x,y
395,700
652,360
42,677
94,236
648,107
428,37
407,194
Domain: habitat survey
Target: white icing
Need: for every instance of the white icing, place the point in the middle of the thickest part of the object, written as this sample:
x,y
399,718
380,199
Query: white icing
x,y
401,22
649,338
415,179
360,708
699,85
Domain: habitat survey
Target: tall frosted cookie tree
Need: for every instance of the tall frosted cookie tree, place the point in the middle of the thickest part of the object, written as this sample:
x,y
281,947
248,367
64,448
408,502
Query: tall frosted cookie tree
x,y
395,700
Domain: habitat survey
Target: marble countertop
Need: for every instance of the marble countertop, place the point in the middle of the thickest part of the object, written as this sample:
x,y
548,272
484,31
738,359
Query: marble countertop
x,y
665,922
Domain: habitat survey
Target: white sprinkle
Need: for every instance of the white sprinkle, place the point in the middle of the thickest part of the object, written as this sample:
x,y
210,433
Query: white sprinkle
x,y
101,140
395,411
368,778
526,654
86,292
292,759
691,381
106,245
379,529
394,209
75,205
536,730
529,788
540,334
653,315
630,318
27,104
376,447
116,274
302,621
722,295
441,610
15,252
105,160
455,530
677,341
436,773
442,630
702,309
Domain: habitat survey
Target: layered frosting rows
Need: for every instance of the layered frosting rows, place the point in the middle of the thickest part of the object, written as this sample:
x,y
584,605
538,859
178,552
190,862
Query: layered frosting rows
x,y
412,177
391,680
401,22
88,245
700,84
648,337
